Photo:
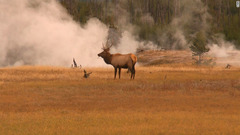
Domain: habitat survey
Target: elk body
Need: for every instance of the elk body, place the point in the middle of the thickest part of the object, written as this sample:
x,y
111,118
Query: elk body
x,y
119,61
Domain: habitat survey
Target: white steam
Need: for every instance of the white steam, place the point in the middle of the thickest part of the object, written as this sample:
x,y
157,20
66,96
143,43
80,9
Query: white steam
x,y
129,44
129,41
224,52
40,32
190,17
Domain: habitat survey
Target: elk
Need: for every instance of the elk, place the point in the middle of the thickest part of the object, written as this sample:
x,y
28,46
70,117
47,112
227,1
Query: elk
x,y
119,61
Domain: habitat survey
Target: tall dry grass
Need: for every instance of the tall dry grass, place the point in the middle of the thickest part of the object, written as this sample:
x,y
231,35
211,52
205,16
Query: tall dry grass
x,y
172,99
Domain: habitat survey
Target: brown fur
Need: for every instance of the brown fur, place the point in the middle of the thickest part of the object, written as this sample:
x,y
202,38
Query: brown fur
x,y
134,58
119,61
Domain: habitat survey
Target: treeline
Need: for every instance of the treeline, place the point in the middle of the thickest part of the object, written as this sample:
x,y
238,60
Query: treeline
x,y
153,17
225,19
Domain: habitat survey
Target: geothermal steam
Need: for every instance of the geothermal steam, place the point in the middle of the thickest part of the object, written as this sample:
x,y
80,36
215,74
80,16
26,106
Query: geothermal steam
x,y
40,32
224,51
192,16
37,32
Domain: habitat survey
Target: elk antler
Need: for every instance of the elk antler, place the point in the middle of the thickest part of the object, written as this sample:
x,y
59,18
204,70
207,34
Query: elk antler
x,y
107,46
107,43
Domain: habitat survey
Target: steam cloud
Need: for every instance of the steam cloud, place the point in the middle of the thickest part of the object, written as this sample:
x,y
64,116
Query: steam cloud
x,y
191,16
129,41
224,51
40,32
187,22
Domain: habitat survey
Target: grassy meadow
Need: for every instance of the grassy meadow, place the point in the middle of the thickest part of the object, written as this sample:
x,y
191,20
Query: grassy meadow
x,y
168,99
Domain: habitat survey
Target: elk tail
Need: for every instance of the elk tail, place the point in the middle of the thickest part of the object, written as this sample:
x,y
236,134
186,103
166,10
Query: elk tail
x,y
134,58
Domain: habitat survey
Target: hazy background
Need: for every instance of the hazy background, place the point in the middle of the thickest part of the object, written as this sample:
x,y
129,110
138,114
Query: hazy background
x,y
41,32
50,32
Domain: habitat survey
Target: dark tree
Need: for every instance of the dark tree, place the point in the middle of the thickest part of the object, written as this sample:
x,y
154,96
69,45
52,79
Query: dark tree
x,y
199,46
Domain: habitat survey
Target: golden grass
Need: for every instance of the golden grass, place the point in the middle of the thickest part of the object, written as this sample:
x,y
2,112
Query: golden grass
x,y
171,99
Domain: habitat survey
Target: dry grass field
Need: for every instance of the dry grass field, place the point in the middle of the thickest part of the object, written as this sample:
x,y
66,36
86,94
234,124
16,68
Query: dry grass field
x,y
167,99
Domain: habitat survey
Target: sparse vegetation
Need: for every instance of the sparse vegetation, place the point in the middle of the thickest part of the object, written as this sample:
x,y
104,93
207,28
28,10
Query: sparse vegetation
x,y
172,99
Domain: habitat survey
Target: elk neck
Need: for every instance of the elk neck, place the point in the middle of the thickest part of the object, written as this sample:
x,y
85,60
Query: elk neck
x,y
108,58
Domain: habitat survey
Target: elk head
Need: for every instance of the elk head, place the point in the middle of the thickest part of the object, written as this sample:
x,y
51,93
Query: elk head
x,y
106,49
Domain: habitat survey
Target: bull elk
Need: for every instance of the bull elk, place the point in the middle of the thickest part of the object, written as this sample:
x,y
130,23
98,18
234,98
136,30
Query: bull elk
x,y
119,61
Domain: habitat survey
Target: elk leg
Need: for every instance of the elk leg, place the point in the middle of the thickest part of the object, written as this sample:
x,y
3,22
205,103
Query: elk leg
x,y
119,72
133,72
115,72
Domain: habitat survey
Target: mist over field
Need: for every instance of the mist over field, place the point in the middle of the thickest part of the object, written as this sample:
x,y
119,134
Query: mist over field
x,y
42,32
